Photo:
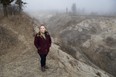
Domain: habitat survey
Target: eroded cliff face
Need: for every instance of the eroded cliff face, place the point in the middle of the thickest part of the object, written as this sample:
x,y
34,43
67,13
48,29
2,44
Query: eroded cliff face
x,y
94,37
19,57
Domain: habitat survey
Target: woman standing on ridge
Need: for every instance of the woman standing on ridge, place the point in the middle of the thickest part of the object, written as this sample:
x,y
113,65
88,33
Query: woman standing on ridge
x,y
42,42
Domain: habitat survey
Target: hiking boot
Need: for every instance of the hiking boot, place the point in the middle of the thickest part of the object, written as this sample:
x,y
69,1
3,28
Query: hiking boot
x,y
43,69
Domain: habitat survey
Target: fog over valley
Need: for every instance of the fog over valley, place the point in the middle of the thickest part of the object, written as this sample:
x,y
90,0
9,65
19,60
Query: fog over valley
x,y
83,6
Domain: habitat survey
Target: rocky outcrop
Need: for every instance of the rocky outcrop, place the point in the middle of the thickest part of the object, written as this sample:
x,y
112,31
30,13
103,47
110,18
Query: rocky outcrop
x,y
94,37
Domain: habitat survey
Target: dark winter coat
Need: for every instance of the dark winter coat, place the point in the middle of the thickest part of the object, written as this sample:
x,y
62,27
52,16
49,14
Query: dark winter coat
x,y
42,44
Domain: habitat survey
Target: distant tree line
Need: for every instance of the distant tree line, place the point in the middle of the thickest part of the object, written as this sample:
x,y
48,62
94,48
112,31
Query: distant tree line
x,y
12,7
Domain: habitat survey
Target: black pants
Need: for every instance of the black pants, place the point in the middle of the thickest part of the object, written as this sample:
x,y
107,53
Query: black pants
x,y
43,59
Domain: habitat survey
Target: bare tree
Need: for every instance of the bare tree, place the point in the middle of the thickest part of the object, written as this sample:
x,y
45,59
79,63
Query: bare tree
x,y
66,10
5,3
74,8
0,9
20,4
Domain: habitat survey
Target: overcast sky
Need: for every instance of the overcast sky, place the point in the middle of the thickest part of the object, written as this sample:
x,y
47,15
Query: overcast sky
x,y
101,6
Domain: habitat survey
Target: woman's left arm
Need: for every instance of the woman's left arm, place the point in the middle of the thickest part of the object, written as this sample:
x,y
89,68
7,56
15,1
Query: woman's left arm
x,y
50,41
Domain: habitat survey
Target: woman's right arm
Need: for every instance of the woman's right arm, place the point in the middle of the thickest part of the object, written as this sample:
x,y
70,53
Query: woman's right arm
x,y
36,42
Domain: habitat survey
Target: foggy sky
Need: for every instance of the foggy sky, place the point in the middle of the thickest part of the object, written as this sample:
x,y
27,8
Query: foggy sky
x,y
100,6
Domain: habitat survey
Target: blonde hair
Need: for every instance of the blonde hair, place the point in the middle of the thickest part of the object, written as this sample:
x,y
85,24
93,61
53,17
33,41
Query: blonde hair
x,y
44,27
39,33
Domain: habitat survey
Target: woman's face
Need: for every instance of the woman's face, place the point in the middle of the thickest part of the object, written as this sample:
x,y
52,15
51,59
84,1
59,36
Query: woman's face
x,y
42,29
